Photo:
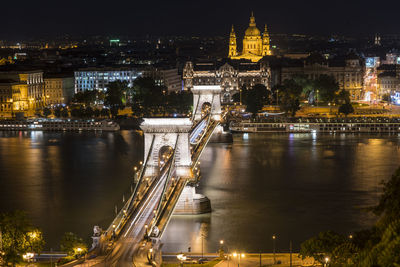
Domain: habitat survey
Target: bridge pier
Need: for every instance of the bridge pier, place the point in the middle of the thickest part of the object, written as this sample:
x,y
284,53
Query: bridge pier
x,y
191,203
220,136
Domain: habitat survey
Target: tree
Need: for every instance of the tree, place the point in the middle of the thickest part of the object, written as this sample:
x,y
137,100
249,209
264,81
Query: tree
x,y
89,112
389,203
96,112
88,97
236,98
46,112
255,98
346,109
289,96
115,96
322,246
64,113
72,244
77,112
18,237
105,112
327,88
342,97
57,112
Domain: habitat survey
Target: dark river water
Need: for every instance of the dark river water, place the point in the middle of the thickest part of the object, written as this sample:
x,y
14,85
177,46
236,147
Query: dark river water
x,y
290,185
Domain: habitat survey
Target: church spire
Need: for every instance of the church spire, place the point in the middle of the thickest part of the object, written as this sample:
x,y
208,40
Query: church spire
x,y
232,43
252,20
265,29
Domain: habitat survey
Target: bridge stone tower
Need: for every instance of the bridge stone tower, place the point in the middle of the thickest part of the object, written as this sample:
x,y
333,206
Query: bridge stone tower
x,y
168,132
210,94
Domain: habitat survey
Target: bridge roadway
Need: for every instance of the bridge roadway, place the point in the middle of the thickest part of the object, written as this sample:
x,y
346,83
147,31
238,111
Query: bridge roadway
x,y
131,247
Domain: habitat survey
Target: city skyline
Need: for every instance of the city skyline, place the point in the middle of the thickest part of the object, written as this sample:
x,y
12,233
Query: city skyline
x,y
200,18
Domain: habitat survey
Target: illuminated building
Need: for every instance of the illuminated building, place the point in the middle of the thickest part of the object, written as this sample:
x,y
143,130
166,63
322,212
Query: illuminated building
x,y
255,45
98,78
388,83
27,89
59,89
348,72
232,76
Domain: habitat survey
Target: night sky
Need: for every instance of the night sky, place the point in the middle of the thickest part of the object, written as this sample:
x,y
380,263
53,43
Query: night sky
x,y
27,18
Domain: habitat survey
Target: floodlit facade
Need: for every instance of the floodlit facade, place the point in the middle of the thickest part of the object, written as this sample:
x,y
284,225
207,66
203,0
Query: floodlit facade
x,y
231,76
255,44
98,78
27,90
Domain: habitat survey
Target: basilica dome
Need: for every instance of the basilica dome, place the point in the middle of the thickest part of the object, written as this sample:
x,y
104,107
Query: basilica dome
x,y
252,31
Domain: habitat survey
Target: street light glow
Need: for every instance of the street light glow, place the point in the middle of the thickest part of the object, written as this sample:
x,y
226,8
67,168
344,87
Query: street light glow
x,y
221,242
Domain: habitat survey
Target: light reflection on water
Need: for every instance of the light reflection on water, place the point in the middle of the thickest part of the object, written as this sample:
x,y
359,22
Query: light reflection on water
x,y
290,185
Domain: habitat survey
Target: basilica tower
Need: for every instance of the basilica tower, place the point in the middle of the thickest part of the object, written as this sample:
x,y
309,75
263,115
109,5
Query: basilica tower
x,y
232,43
266,51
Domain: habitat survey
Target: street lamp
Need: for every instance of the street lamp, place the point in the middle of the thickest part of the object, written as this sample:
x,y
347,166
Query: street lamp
x,y
326,261
273,245
239,256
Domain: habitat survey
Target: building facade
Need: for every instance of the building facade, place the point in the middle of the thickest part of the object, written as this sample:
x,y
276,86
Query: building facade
x,y
255,44
27,88
165,77
348,72
98,78
58,89
388,84
231,76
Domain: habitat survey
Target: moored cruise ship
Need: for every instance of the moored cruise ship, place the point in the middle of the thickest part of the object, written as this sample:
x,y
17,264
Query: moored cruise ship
x,y
58,125
323,126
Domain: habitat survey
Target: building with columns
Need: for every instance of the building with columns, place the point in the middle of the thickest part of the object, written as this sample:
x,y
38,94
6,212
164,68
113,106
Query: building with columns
x,y
255,44
24,89
231,75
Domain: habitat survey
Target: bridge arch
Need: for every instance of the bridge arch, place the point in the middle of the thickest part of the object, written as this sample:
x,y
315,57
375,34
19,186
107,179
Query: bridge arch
x,y
207,94
161,133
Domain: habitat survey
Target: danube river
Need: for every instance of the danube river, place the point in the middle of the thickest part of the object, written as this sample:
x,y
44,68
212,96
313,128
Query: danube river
x,y
290,185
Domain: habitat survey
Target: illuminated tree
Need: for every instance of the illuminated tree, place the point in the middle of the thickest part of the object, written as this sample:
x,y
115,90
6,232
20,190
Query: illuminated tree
x,y
72,244
18,237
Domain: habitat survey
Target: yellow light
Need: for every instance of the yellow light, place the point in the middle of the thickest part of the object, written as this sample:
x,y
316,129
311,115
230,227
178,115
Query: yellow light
x,y
242,255
234,254
221,242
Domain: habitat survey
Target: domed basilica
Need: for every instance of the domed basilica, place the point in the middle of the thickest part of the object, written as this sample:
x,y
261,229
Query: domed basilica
x,y
255,45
